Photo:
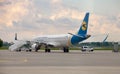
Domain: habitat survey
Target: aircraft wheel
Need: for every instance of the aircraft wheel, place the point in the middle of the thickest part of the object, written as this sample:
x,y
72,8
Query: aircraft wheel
x,y
26,50
83,50
30,50
45,50
49,50
92,50
66,50
18,50
36,50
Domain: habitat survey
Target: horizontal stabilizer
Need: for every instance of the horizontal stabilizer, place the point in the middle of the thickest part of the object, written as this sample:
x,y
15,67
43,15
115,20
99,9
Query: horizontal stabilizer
x,y
76,35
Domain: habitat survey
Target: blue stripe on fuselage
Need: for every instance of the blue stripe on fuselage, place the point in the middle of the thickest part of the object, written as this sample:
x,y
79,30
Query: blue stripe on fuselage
x,y
75,40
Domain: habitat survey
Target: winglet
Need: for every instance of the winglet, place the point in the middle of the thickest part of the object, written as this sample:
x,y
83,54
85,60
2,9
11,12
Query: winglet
x,y
105,38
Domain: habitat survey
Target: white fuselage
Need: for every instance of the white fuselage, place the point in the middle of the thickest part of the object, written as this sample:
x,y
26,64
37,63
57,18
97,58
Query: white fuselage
x,y
55,40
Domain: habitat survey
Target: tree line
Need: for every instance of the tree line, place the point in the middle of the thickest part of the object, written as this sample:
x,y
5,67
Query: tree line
x,y
98,44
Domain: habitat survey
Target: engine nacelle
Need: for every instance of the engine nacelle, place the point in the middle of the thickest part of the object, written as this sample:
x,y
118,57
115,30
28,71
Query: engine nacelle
x,y
34,46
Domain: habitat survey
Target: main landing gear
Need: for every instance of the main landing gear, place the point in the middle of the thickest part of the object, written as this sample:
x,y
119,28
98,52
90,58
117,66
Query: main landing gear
x,y
65,49
47,49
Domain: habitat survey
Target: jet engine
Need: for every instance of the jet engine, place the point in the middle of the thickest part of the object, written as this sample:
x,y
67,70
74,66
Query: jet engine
x,y
35,47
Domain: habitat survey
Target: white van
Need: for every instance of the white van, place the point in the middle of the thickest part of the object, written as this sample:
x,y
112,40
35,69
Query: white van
x,y
87,48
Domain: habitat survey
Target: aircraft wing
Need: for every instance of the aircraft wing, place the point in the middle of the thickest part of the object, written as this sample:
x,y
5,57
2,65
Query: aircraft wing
x,y
97,38
52,44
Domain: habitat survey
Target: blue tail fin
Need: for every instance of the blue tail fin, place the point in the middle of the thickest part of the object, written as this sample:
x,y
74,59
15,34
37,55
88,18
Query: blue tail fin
x,y
82,32
84,26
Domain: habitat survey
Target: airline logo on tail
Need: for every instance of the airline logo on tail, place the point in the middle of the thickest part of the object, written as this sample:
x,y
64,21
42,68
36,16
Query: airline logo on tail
x,y
84,26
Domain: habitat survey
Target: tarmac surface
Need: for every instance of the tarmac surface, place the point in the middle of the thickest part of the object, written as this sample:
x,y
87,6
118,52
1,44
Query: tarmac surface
x,y
57,62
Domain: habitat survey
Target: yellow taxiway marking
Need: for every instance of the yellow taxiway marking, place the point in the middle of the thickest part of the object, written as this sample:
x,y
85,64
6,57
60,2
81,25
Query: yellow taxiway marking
x,y
11,60
4,61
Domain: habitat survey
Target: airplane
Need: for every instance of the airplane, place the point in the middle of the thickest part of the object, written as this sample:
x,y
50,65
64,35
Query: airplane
x,y
63,41
105,38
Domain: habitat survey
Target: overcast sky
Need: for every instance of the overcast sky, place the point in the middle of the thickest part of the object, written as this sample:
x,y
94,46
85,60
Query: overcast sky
x,y
30,18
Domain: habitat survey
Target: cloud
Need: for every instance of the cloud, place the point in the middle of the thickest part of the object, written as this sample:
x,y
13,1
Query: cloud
x,y
50,17
56,1
12,10
64,12
103,24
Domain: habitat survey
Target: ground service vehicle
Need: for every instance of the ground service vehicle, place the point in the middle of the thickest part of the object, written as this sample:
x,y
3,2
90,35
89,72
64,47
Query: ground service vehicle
x,y
87,48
